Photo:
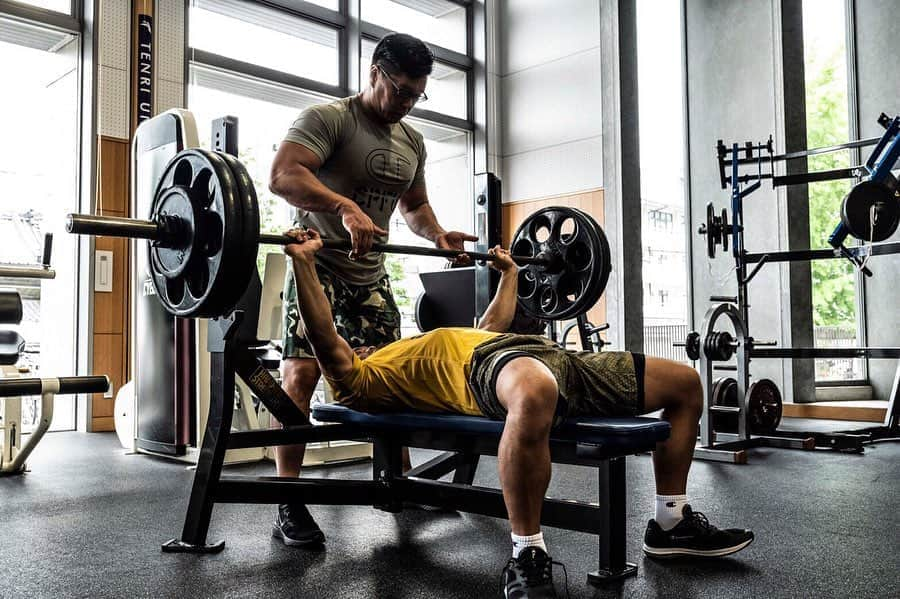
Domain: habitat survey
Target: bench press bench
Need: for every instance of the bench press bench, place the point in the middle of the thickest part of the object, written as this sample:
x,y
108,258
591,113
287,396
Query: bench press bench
x,y
599,443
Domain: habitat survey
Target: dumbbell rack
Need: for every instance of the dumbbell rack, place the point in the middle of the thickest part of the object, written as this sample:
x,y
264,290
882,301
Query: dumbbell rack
x,y
736,308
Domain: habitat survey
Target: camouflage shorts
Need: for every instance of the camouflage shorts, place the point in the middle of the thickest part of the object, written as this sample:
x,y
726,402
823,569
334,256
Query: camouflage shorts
x,y
363,314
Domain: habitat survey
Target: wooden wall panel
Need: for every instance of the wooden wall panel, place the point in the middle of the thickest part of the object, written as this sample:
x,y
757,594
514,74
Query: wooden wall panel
x,y
591,202
110,331
108,357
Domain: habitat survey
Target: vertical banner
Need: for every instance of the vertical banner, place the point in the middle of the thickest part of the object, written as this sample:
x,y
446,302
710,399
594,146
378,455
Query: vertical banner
x,y
142,62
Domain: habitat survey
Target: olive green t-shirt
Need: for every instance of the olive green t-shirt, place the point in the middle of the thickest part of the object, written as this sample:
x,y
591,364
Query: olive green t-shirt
x,y
369,162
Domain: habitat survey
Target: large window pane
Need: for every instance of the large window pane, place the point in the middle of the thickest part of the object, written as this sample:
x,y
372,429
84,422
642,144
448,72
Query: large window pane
x,y
64,6
38,190
662,181
253,33
446,86
265,112
448,175
827,109
437,21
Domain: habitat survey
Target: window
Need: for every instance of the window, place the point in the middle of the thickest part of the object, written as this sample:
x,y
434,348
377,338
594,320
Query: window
x,y
63,6
663,199
268,38
661,220
447,91
264,111
436,21
43,64
292,57
834,282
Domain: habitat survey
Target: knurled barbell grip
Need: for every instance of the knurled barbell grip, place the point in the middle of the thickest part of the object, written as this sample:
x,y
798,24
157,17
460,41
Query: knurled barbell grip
x,y
388,248
114,226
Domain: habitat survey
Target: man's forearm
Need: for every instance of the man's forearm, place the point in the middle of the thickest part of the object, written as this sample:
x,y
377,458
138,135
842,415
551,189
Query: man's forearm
x,y
423,222
500,312
315,310
301,188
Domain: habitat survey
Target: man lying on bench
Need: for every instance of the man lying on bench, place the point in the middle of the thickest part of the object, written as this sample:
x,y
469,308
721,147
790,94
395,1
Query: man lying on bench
x,y
532,384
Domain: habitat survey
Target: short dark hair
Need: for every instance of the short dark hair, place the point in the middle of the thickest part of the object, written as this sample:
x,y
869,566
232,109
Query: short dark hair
x,y
401,53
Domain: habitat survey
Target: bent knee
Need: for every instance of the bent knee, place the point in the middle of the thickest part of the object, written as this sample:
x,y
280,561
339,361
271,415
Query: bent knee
x,y
528,391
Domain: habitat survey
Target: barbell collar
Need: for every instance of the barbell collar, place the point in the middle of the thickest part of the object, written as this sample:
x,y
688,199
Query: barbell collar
x,y
114,226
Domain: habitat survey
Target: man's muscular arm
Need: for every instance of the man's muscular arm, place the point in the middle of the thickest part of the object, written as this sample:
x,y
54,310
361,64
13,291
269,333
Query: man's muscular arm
x,y
334,355
293,178
417,213
500,312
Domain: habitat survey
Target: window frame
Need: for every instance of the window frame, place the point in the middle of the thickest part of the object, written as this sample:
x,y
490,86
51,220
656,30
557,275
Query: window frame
x,y
351,30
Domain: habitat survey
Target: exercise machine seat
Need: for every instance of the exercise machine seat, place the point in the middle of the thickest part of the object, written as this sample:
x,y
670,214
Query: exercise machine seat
x,y
621,434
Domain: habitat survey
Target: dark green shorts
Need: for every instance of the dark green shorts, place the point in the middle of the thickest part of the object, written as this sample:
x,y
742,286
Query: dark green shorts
x,y
607,384
363,314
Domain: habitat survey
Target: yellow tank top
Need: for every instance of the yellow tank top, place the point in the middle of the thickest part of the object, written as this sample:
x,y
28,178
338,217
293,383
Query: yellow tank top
x,y
428,373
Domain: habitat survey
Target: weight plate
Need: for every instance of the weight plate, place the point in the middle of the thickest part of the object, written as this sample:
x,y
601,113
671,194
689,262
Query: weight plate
x,y
208,183
578,268
245,260
856,211
710,234
764,407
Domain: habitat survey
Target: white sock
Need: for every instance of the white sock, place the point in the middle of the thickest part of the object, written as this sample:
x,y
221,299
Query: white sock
x,y
520,543
668,510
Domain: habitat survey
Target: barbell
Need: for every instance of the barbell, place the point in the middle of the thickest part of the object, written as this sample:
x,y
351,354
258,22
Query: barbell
x,y
203,230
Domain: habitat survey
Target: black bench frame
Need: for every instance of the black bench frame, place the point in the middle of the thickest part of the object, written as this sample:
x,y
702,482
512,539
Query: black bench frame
x,y
388,487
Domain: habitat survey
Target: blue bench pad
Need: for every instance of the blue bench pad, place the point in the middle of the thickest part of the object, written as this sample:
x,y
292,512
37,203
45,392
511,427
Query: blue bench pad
x,y
624,433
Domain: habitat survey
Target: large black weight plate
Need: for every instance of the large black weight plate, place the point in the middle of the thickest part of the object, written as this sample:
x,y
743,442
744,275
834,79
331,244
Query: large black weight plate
x,y
579,266
201,286
856,211
764,407
245,261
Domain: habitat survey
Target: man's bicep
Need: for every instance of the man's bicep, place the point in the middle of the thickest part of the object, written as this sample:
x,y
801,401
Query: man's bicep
x,y
413,197
290,153
317,129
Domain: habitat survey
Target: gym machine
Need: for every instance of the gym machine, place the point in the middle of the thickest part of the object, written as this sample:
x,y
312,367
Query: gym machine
x,y
13,385
751,413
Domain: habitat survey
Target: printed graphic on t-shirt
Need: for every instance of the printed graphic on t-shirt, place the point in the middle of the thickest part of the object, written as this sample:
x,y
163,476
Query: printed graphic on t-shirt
x,y
389,167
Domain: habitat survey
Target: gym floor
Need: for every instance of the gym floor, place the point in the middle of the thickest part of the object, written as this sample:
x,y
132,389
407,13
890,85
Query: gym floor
x,y
88,520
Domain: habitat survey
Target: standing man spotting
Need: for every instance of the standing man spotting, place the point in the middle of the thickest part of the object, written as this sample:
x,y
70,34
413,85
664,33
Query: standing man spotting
x,y
346,166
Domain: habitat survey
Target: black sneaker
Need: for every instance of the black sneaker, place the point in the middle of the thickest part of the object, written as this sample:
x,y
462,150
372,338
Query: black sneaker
x,y
529,576
295,526
694,536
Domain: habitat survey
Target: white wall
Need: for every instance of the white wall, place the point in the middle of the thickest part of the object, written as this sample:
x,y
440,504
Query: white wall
x,y
549,80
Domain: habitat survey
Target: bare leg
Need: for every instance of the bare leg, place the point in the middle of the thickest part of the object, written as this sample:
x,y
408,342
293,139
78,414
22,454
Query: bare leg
x,y
676,389
299,377
528,390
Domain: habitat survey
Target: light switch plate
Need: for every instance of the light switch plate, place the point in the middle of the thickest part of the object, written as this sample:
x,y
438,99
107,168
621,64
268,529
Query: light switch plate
x,y
103,271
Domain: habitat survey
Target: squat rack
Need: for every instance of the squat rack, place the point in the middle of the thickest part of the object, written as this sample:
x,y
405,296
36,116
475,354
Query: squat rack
x,y
736,308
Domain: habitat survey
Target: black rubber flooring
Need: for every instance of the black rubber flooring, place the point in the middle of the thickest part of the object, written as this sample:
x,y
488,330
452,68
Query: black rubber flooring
x,y
88,520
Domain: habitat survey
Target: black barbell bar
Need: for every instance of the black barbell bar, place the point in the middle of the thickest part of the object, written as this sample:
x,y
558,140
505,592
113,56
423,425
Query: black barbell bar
x,y
167,233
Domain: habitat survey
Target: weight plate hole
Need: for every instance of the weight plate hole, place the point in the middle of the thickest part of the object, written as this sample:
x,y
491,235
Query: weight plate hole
x,y
527,284
174,291
578,256
523,247
548,300
568,230
540,229
184,173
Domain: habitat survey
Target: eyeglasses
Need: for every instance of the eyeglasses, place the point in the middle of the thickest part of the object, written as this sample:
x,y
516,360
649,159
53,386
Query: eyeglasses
x,y
403,94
